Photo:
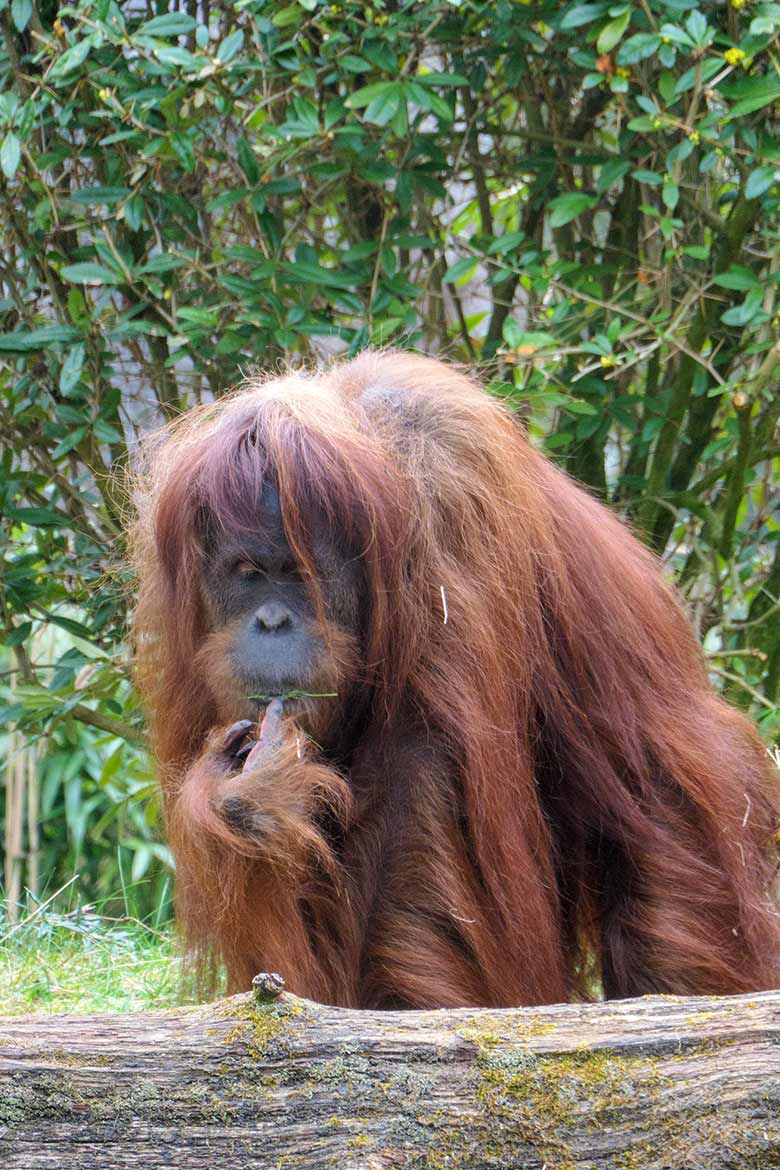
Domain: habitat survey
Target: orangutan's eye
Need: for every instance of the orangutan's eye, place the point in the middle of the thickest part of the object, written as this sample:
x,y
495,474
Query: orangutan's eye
x,y
247,570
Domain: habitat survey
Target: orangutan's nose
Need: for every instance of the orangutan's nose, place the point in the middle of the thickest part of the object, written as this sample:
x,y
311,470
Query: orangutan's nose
x,y
273,618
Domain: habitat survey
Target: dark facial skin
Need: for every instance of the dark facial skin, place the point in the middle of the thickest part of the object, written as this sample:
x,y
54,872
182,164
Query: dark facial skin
x,y
254,587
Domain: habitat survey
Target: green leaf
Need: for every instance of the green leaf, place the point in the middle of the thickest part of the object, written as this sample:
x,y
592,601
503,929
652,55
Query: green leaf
x,y
579,14
71,369
637,48
525,342
763,25
428,99
105,432
231,198
9,106
680,152
178,57
460,270
384,329
751,94
173,24
759,181
670,194
399,121
703,71
93,196
588,425
306,113
18,635
71,59
579,406
21,11
739,278
184,150
441,79
73,627
311,273
69,442
384,108
198,317
355,64
165,262
611,173
134,212
673,33
230,46
369,93
558,440
651,429
286,16
643,124
501,244
666,87
247,161
698,30
38,517
25,340
89,273
743,314
10,154
70,414
649,177
565,208
612,32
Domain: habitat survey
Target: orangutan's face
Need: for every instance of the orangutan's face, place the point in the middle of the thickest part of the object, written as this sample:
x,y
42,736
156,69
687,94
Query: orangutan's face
x,y
273,641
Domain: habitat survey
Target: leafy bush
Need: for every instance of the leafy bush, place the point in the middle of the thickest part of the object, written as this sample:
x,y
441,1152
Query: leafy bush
x,y
579,200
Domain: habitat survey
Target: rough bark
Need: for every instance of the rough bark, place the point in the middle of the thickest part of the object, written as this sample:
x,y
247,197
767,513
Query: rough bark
x,y
651,1083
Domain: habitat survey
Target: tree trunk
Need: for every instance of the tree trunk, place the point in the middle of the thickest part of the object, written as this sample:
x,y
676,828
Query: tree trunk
x,y
641,1084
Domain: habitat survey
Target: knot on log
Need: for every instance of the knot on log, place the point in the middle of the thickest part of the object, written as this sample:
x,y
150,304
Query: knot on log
x,y
267,986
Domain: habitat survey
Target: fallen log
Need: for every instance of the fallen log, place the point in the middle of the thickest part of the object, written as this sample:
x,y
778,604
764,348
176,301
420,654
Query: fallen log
x,y
659,1083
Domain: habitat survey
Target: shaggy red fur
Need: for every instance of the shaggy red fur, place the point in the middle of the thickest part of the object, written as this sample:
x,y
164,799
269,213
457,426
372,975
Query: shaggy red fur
x,y
545,790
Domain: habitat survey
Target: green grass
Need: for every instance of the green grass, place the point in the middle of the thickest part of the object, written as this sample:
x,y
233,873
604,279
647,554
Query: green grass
x,y
83,963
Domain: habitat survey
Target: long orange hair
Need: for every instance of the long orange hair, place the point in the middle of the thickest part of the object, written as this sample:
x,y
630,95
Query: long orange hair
x,y
546,790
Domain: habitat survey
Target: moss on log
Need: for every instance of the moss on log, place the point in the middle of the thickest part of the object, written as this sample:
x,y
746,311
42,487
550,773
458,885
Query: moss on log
x,y
659,1083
